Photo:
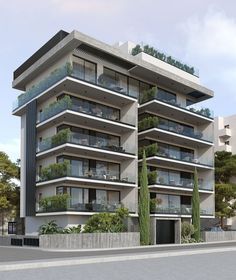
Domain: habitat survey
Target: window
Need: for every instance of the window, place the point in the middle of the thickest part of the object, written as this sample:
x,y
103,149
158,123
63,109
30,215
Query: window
x,y
227,126
93,108
166,96
92,168
189,102
84,70
227,143
133,87
11,227
90,71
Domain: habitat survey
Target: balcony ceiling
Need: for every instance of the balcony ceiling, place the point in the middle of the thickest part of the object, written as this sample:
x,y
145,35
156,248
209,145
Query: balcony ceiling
x,y
173,112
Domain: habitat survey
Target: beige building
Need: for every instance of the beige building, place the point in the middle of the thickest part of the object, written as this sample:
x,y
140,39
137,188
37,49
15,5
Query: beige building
x,y
225,134
225,140
86,109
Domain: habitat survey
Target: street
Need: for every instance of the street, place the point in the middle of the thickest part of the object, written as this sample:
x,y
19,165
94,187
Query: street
x,y
181,264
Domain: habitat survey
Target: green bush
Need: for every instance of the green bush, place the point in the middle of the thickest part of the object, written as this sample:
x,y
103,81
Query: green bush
x,y
107,222
50,228
136,50
187,230
72,230
168,59
61,137
55,170
148,122
150,150
56,107
154,202
152,177
148,95
54,203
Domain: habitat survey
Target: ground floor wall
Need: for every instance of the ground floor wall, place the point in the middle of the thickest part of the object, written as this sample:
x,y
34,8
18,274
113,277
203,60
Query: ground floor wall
x,y
32,224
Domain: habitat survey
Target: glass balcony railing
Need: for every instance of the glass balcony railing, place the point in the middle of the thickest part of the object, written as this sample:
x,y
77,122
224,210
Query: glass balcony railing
x,y
58,74
183,182
182,156
71,205
67,104
60,170
66,136
172,152
43,85
180,210
164,96
167,125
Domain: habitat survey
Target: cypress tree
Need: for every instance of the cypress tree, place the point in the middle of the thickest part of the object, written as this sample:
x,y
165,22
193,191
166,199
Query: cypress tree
x,y
196,208
144,208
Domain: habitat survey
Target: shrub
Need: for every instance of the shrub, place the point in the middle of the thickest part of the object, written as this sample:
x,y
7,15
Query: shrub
x,y
168,59
107,222
187,230
154,202
55,170
150,150
54,203
148,95
50,228
56,107
72,230
61,137
148,122
152,177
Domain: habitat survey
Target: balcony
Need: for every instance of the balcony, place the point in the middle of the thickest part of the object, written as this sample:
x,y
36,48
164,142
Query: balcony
x,y
75,142
66,171
162,154
71,206
173,128
180,210
103,81
98,117
192,112
164,181
225,133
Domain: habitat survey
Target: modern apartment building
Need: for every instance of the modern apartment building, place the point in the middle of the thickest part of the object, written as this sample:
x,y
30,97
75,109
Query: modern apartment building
x,y
86,110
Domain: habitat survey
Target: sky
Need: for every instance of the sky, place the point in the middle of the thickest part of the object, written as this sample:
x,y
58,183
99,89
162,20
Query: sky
x,y
201,33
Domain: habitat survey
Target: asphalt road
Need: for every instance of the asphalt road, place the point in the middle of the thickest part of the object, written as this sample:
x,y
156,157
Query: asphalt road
x,y
14,254
219,265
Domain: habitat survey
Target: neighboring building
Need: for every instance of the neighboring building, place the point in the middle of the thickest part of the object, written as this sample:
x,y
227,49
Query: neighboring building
x,y
225,134
225,140
79,117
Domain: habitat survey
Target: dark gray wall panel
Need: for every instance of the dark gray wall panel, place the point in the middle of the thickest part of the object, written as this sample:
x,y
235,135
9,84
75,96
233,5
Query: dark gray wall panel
x,y
31,114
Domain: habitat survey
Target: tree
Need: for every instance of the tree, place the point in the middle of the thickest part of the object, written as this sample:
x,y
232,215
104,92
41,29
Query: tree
x,y
225,195
196,208
225,191
9,192
225,167
144,208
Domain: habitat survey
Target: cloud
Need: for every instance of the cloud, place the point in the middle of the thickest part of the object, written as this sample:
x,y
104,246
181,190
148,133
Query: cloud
x,y
11,148
213,35
210,44
89,6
